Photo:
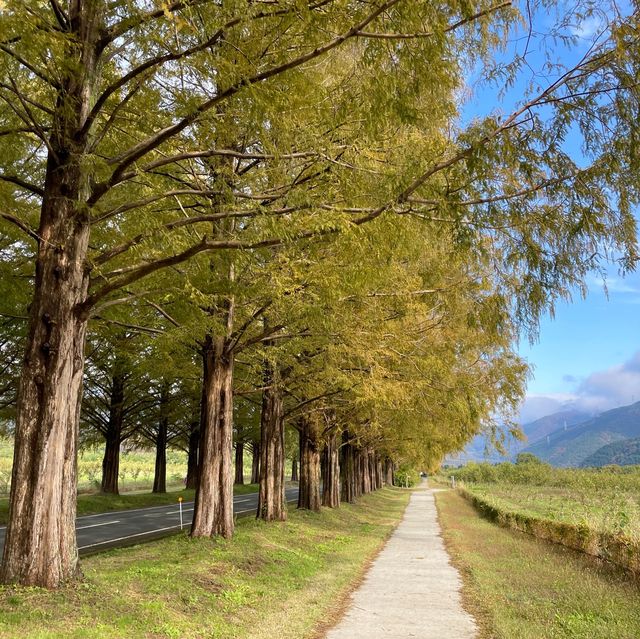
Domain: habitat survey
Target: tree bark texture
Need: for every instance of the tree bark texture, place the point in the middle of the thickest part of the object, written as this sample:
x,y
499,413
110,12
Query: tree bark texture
x,y
239,478
40,544
388,472
213,509
348,471
113,437
331,473
379,473
294,470
271,496
309,487
363,471
192,456
111,464
255,462
160,474
371,466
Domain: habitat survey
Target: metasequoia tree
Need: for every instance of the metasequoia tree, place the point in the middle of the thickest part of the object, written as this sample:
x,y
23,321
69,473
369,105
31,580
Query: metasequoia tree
x,y
116,400
431,311
71,76
101,108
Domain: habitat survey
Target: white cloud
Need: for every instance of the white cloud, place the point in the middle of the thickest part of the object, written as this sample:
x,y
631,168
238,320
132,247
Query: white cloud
x,y
599,391
615,386
588,27
616,285
536,406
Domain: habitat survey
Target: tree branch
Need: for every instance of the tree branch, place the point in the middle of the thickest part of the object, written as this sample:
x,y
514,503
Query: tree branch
x,y
153,141
61,16
13,179
25,63
430,34
21,225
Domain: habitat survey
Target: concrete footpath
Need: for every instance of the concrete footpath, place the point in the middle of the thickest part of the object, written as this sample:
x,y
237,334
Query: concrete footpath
x,y
411,589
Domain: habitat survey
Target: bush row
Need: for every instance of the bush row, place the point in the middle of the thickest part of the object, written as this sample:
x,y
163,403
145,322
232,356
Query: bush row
x,y
531,471
615,548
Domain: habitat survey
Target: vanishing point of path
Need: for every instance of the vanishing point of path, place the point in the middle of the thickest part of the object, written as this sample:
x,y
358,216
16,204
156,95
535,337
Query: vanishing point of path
x,y
411,590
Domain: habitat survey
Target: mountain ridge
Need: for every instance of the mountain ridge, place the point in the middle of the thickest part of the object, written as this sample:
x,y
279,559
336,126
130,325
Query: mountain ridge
x,y
571,447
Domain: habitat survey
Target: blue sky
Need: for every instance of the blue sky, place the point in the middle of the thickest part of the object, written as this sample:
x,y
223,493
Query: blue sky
x,y
588,355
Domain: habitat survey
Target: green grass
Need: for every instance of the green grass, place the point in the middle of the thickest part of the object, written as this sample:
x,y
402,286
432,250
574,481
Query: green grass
x,y
605,510
101,503
521,588
283,580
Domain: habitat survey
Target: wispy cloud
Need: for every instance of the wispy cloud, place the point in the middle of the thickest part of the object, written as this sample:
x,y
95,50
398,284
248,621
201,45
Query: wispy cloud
x,y
599,391
616,285
587,28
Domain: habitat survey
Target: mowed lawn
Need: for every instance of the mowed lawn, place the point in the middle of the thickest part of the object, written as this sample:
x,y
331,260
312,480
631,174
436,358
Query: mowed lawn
x,y
519,587
272,580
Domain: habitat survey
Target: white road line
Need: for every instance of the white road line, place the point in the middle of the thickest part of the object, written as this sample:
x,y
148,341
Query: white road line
x,y
104,523
137,510
146,532
176,512
132,510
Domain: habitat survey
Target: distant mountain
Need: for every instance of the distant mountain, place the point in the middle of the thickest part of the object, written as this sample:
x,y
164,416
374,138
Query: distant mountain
x,y
624,453
574,445
546,425
478,449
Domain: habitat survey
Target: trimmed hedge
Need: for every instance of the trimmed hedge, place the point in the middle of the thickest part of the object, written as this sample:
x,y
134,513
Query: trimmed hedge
x,y
615,548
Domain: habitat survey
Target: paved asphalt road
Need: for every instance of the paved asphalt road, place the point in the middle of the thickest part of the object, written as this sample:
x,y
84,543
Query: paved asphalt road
x,y
125,527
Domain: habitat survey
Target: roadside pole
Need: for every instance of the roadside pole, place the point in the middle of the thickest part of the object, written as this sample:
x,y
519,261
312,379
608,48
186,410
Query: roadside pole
x,y
180,503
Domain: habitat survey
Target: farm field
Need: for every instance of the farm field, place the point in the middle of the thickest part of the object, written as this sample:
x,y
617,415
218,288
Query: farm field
x,y
136,469
603,511
136,481
604,500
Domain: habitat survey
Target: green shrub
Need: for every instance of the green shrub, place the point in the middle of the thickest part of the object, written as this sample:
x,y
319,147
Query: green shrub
x,y
406,476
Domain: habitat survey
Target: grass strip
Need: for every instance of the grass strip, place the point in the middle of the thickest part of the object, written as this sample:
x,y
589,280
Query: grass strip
x,y
519,587
102,503
280,580
617,548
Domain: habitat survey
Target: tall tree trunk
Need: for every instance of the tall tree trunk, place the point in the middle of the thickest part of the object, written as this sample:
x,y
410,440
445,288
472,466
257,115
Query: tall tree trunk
x,y
294,470
348,471
192,455
113,435
388,472
363,471
40,545
371,466
309,488
111,463
331,474
255,462
213,509
239,479
357,456
271,496
160,475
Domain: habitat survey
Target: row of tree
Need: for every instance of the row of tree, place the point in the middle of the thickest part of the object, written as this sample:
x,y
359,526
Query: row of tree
x,y
277,209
